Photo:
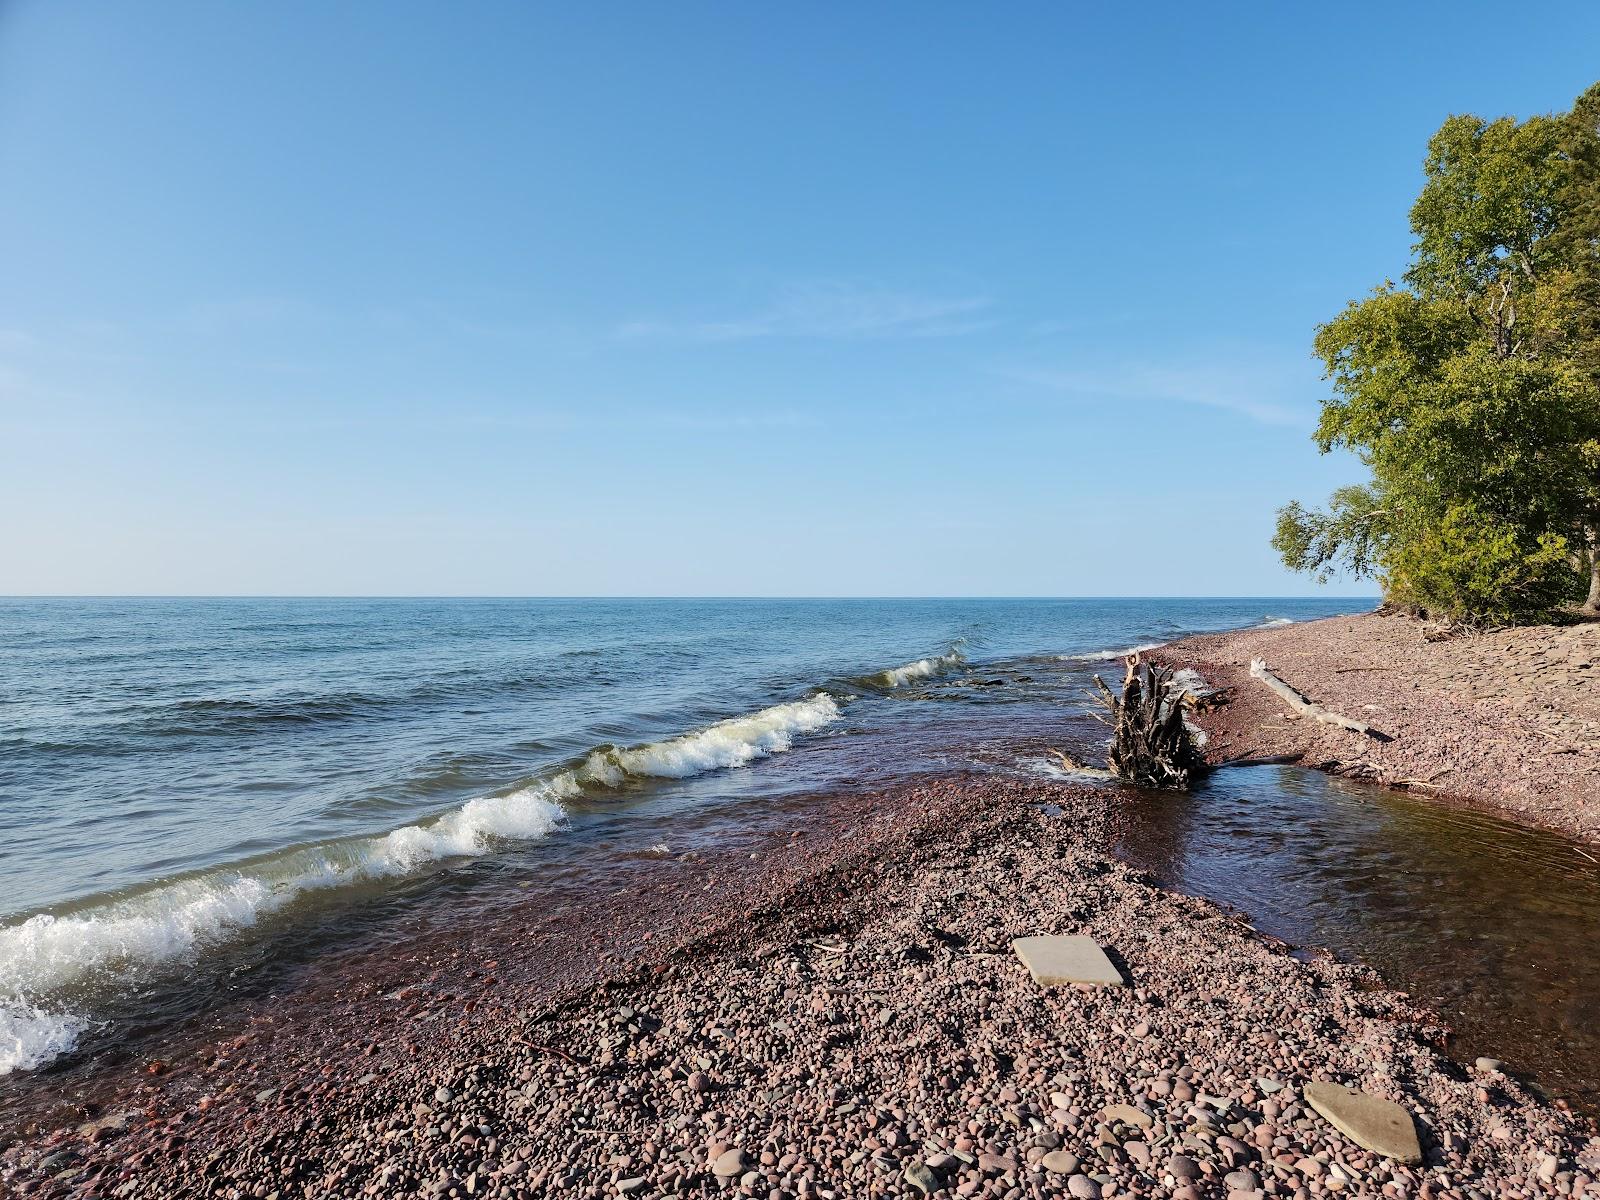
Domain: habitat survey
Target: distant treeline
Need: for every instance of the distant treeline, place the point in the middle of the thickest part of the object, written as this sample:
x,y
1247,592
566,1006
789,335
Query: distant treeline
x,y
1472,388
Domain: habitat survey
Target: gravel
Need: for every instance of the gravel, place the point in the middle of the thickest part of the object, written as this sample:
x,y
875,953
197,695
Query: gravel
x,y
748,1058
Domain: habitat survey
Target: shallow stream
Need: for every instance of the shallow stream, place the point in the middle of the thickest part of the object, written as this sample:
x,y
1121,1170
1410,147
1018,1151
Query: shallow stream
x,y
1495,925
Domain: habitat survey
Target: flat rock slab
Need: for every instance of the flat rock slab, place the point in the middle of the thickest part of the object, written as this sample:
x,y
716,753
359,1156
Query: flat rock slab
x,y
1372,1122
1055,960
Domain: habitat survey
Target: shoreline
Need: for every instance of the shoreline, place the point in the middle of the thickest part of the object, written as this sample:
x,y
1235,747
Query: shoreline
x,y
841,1007
1506,721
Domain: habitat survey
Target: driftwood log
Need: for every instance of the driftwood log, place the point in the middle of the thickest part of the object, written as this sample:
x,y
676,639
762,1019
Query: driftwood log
x,y
1150,742
1306,708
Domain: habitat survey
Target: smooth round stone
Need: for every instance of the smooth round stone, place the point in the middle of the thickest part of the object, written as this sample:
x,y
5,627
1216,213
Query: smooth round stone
x,y
1083,1187
1181,1166
1059,1161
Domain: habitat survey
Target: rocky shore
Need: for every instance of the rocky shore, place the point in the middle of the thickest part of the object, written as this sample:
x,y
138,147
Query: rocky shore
x,y
836,1014
1508,719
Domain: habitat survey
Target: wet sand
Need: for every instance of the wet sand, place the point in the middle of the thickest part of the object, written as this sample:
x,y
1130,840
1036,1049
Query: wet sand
x,y
835,1012
1509,719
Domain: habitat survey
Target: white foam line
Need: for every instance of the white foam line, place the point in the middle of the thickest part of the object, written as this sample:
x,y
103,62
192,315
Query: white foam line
x,y
48,955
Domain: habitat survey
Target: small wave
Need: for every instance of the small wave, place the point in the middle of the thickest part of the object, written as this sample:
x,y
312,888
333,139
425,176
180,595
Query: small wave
x,y
1111,655
172,922
923,668
47,956
731,743
1270,622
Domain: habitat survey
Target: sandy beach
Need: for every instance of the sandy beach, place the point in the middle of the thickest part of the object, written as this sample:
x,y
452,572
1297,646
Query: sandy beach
x,y
1508,719
834,1013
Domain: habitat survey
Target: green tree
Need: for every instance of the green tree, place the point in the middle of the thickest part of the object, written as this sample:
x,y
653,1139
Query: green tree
x,y
1472,389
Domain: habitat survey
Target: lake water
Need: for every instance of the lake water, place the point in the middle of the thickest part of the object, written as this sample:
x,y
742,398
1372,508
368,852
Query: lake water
x,y
181,780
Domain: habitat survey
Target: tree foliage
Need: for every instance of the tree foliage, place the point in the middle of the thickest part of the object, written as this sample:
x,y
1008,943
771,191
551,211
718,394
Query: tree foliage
x,y
1472,389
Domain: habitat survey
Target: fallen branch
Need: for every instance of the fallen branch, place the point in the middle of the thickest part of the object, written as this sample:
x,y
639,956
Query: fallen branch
x,y
830,949
1258,670
562,1054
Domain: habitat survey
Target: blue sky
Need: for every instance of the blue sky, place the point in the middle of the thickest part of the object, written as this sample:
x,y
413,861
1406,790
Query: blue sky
x,y
699,298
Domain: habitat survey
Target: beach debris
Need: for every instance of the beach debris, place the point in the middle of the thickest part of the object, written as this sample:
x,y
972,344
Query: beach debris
x,y
1056,960
1306,708
1151,743
1372,1122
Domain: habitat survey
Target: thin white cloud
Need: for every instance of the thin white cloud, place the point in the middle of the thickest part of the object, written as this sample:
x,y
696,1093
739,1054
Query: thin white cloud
x,y
835,311
1249,390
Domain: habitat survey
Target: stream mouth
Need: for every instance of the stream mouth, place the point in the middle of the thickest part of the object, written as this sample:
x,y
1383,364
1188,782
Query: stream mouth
x,y
1494,925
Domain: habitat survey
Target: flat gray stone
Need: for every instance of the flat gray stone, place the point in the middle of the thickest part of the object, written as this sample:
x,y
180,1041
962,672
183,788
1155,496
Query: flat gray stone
x,y
1055,960
1372,1122
921,1177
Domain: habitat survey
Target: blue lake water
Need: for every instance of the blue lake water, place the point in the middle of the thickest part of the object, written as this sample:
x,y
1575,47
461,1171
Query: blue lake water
x,y
178,776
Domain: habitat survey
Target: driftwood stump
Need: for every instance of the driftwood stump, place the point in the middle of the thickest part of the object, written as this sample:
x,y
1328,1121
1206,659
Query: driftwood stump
x,y
1150,743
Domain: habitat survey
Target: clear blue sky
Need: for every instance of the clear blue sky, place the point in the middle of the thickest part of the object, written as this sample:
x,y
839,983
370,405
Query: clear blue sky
x,y
699,298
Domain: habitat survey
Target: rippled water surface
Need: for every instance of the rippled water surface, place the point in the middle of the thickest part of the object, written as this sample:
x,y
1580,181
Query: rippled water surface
x,y
1495,925
190,786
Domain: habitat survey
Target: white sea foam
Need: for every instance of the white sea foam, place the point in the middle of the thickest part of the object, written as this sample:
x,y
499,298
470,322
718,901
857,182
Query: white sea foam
x,y
1274,622
923,668
730,743
31,1037
1056,769
48,955
528,814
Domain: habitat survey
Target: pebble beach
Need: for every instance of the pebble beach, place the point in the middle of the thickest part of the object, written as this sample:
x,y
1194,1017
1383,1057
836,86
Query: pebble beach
x,y
835,1013
1507,719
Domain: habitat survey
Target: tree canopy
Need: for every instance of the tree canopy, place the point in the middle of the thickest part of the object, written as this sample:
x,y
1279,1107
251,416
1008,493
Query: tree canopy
x,y
1472,388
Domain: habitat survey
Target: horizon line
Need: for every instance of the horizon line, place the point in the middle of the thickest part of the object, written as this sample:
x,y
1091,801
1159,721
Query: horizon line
x,y
655,596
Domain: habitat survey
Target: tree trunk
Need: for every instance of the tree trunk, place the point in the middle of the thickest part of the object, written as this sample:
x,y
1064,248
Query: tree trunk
x,y
1591,534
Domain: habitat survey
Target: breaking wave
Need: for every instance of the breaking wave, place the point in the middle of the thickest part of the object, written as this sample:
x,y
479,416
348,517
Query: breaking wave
x,y
1270,622
726,744
923,668
59,957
